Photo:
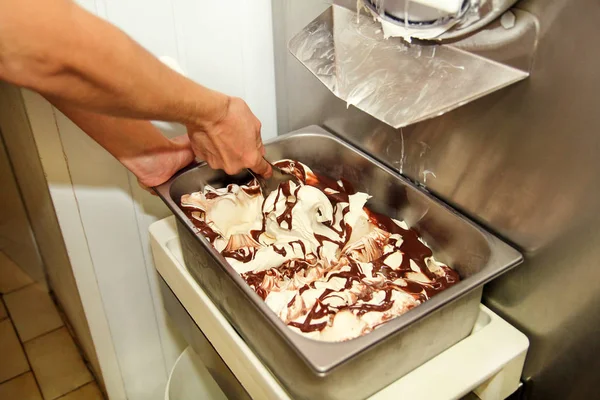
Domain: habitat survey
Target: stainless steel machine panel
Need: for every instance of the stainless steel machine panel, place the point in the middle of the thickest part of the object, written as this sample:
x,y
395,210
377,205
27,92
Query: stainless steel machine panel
x,y
396,82
524,161
312,369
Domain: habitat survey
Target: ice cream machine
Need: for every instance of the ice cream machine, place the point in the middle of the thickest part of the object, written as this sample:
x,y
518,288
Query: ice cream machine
x,y
406,61
492,107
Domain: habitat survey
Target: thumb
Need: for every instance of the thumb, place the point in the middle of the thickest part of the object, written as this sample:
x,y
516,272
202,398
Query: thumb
x,y
263,168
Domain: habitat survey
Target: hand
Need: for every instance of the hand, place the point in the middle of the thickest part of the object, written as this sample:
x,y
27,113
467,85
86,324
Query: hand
x,y
232,142
155,169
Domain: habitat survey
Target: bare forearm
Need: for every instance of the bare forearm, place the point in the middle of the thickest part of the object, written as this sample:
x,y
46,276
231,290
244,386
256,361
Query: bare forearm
x,y
122,137
64,52
137,144
85,65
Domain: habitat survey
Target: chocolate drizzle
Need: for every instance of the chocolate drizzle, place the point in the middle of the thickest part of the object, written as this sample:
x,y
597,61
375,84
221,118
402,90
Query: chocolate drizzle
x,y
384,306
202,226
318,311
359,290
251,190
333,190
293,167
242,255
353,275
322,238
256,233
254,280
412,248
287,270
301,244
290,201
345,229
280,251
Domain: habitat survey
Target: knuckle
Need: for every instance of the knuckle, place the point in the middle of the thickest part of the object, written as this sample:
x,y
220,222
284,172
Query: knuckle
x,y
213,163
238,102
251,159
231,170
240,154
247,157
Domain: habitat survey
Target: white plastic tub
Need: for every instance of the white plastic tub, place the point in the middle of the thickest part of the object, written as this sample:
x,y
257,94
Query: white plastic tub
x,y
190,380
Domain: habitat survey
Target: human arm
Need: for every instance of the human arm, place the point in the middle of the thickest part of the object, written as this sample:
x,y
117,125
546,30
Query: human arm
x,y
69,55
137,144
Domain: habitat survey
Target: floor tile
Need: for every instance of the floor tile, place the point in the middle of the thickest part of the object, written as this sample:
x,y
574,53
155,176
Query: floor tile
x,y
22,387
32,311
87,392
57,363
3,313
12,359
11,276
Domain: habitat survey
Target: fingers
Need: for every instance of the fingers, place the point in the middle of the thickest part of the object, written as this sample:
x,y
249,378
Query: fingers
x,y
182,140
146,188
258,138
263,168
229,170
232,143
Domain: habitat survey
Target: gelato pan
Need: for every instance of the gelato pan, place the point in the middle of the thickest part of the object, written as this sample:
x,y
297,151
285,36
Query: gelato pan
x,y
333,368
329,267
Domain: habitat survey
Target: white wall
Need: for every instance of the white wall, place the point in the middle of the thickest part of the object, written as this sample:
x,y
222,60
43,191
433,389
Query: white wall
x,y
35,197
104,215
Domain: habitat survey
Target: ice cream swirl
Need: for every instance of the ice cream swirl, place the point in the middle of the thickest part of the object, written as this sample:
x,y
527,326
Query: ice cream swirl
x,y
328,266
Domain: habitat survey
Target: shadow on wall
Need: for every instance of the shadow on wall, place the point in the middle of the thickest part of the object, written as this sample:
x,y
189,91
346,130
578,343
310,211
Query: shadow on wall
x,y
16,238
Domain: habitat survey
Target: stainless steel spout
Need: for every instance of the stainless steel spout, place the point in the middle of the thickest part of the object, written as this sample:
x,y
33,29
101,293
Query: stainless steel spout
x,y
397,82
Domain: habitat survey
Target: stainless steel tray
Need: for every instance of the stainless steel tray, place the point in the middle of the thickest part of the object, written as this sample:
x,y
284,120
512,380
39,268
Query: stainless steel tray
x,y
310,369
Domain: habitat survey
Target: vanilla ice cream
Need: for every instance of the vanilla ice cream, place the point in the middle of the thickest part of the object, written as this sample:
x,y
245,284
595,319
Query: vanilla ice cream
x,y
328,266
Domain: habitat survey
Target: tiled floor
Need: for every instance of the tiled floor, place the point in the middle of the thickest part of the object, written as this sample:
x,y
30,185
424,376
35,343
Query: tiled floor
x,y
39,359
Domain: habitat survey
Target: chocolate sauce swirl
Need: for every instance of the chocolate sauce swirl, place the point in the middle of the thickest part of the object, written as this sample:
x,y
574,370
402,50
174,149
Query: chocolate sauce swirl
x,y
358,289
202,226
